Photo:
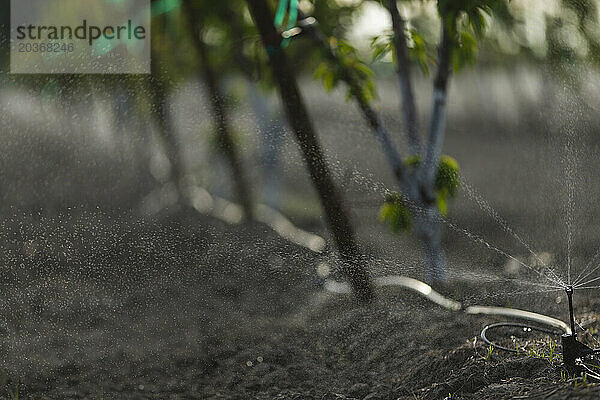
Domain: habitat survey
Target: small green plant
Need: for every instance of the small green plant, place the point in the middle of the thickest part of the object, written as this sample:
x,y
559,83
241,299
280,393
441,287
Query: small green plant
x,y
395,214
563,376
538,349
581,382
551,350
533,352
14,393
489,353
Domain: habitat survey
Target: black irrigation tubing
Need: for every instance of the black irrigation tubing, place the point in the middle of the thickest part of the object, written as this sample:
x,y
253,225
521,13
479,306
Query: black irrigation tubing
x,y
525,327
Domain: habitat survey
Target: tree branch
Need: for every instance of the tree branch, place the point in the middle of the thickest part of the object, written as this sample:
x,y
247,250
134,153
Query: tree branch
x,y
435,138
310,27
409,108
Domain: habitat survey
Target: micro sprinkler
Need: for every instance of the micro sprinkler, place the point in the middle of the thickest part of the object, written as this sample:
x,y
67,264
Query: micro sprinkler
x,y
577,357
574,352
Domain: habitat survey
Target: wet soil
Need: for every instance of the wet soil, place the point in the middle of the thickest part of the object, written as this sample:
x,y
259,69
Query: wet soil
x,y
184,306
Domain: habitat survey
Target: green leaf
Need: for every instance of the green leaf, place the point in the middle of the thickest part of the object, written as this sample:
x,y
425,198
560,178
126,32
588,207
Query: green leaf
x,y
465,52
395,214
419,52
394,211
350,65
327,74
442,204
447,180
477,22
381,46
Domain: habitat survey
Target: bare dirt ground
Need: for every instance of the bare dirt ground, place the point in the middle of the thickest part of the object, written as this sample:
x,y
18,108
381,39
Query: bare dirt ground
x,y
188,307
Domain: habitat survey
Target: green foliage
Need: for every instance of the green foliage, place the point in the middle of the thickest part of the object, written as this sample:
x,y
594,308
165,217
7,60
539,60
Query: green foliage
x,y
489,353
395,214
473,9
465,51
419,50
466,21
328,74
447,180
381,46
394,211
347,64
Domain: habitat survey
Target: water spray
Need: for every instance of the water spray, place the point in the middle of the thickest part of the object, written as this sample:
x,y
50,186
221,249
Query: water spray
x,y
574,352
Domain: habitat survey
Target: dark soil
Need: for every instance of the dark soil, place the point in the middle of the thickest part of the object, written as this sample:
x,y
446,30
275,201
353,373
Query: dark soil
x,y
186,307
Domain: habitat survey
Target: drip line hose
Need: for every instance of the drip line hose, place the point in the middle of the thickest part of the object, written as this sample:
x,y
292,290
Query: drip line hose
x,y
525,327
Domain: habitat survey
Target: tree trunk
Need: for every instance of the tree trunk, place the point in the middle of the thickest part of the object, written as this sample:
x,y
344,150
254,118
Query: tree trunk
x,y
335,214
430,229
437,127
225,138
433,253
160,108
409,107
272,128
425,213
159,100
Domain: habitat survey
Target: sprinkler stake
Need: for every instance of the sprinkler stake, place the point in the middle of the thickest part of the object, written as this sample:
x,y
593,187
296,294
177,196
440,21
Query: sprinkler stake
x,y
573,350
569,291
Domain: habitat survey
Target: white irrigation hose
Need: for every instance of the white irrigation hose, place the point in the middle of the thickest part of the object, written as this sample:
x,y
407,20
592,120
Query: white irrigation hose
x,y
232,213
520,314
420,287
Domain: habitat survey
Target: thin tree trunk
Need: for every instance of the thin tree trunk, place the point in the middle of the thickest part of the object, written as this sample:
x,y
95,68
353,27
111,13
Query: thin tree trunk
x,y
409,107
160,108
336,216
226,143
433,252
429,226
369,113
272,129
437,128
159,97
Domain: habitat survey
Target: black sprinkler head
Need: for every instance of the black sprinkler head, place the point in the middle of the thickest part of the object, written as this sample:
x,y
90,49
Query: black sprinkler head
x,y
569,289
573,350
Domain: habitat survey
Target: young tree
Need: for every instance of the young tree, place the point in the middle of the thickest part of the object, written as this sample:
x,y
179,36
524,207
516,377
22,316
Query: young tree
x,y
337,218
432,179
426,179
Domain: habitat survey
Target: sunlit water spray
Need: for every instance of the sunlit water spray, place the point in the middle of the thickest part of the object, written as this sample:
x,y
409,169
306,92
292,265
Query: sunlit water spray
x,y
569,167
550,280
